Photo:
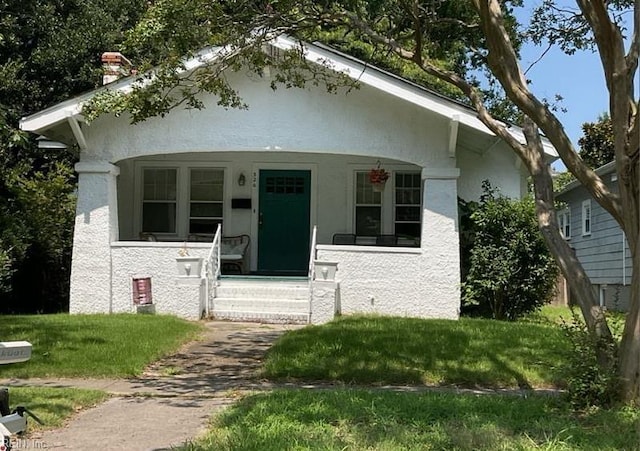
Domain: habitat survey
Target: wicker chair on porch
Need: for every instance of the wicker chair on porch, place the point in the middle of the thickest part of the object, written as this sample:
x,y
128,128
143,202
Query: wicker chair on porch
x,y
233,254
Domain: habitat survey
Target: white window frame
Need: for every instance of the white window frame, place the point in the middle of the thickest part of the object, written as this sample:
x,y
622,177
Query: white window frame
x,y
388,195
175,201
190,169
564,223
587,217
375,205
183,193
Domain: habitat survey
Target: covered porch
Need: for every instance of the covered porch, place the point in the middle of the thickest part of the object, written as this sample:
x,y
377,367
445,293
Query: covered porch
x,y
396,248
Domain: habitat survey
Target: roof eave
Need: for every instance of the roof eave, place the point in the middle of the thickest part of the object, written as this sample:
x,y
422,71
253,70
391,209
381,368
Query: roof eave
x,y
358,70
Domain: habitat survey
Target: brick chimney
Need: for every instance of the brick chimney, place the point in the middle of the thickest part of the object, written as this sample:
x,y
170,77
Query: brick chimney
x,y
114,66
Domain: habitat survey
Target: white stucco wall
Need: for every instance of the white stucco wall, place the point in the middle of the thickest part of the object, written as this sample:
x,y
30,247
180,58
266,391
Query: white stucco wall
x,y
389,281
364,122
158,261
499,165
96,226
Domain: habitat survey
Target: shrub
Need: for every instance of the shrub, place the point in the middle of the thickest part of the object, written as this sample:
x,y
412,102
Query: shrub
x,y
591,381
507,269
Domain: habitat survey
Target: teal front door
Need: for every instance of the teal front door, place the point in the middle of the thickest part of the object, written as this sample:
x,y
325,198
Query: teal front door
x,y
283,221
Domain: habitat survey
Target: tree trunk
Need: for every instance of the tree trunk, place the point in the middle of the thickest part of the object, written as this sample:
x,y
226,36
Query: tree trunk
x,y
630,346
564,256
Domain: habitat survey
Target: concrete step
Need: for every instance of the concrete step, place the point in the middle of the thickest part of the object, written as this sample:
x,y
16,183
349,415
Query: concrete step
x,y
261,305
262,317
262,299
256,290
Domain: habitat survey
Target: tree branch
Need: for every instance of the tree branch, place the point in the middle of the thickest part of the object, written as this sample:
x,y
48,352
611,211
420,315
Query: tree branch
x,y
634,48
503,62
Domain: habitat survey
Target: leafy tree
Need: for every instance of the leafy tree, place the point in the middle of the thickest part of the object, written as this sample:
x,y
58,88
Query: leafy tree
x,y
510,271
486,35
49,50
596,144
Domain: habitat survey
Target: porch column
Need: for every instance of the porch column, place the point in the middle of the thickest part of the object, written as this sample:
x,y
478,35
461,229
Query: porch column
x,y
96,226
439,237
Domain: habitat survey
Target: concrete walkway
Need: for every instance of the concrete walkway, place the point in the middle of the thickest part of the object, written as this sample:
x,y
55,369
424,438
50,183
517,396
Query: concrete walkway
x,y
172,402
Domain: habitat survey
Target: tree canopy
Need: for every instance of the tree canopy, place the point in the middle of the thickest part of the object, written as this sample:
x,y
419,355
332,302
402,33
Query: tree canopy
x,y
597,147
49,50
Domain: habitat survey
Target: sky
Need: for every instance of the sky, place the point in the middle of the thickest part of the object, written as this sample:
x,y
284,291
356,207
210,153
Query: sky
x,y
578,78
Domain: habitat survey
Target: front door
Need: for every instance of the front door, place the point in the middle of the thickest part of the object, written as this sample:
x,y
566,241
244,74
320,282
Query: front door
x,y
283,221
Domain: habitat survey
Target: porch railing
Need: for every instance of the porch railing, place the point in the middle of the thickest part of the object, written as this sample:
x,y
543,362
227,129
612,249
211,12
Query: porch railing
x,y
312,253
211,268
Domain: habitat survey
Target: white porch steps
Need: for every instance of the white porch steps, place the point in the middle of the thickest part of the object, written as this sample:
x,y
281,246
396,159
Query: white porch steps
x,y
262,299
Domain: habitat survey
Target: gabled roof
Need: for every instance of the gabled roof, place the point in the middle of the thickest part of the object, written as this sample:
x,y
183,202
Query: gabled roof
x,y
605,169
71,110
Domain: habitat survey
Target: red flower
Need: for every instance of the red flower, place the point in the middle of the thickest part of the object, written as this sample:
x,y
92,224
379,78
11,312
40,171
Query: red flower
x,y
378,176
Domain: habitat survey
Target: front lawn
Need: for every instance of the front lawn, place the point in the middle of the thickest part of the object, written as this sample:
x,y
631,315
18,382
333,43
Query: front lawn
x,y
346,419
392,350
53,405
93,345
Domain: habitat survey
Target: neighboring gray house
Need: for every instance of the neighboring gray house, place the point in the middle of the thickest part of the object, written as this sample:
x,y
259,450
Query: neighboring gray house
x,y
598,240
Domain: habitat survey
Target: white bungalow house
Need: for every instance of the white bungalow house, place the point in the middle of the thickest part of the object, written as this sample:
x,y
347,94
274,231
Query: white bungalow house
x,y
295,162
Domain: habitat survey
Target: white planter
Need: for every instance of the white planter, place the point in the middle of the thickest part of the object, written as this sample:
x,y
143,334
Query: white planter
x,y
325,270
189,266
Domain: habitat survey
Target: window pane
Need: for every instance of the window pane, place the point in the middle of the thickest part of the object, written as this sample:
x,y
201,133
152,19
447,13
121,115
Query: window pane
x,y
364,190
207,184
206,210
159,217
408,214
411,230
204,225
368,221
408,189
160,184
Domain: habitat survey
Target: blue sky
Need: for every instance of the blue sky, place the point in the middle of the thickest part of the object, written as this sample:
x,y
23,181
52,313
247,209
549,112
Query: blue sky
x,y
578,78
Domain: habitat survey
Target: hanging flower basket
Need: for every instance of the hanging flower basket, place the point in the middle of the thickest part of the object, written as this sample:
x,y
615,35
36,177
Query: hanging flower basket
x,y
378,177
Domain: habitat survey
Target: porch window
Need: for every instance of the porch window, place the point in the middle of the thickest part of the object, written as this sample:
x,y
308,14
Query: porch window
x,y
368,207
408,204
205,200
159,203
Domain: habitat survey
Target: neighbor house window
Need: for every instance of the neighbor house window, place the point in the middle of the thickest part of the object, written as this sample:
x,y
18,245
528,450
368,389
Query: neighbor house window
x,y
564,223
206,198
407,206
368,217
586,217
159,201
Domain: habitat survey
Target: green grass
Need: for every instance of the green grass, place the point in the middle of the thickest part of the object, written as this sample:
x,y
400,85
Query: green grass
x,y
53,405
93,345
377,420
389,350
557,315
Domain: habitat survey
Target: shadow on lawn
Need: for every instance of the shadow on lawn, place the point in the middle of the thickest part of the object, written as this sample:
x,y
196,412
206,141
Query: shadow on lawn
x,y
383,350
361,419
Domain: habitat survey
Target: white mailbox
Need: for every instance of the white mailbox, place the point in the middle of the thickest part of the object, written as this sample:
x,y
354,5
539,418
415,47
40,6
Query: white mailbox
x,y
14,351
